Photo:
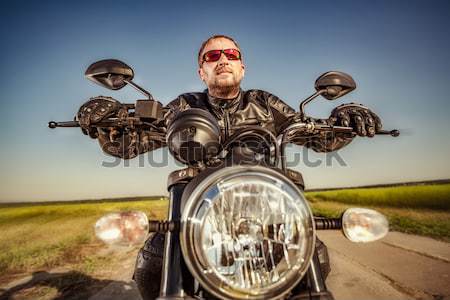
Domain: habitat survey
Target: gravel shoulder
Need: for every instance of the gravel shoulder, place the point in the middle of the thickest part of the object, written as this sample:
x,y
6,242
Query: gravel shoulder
x,y
123,286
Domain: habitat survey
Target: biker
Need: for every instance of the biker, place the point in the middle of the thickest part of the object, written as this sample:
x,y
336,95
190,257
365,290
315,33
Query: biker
x,y
221,68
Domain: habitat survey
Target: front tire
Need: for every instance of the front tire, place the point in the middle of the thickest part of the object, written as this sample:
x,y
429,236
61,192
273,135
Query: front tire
x,y
147,272
322,252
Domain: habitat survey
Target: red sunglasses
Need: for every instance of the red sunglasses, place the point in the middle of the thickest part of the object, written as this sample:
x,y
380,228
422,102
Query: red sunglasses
x,y
214,55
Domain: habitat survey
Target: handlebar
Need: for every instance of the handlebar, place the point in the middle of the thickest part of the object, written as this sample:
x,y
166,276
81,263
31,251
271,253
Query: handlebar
x,y
394,132
104,123
312,127
129,122
53,124
344,129
304,126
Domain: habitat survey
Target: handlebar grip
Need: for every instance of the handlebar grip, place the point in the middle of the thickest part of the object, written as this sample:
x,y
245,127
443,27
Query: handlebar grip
x,y
343,129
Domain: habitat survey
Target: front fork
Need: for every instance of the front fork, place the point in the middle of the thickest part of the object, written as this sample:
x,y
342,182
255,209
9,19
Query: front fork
x,y
173,263
316,282
171,275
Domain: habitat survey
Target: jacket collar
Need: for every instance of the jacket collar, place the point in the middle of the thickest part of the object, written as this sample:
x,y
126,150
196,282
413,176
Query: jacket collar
x,y
219,104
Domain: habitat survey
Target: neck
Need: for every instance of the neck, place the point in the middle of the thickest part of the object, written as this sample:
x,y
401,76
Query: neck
x,y
224,93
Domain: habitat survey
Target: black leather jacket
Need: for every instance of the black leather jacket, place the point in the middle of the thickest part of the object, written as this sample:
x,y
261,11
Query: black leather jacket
x,y
252,107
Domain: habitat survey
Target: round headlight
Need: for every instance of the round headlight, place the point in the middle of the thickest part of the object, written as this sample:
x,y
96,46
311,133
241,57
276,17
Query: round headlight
x,y
247,233
193,136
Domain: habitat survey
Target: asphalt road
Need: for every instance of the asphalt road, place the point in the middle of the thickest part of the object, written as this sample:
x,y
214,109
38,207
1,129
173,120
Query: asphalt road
x,y
398,267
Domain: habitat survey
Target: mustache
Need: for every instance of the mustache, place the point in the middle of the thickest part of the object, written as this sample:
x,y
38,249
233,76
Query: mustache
x,y
223,69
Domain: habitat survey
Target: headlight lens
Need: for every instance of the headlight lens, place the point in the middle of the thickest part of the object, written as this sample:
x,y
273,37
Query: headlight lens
x,y
127,228
247,233
362,225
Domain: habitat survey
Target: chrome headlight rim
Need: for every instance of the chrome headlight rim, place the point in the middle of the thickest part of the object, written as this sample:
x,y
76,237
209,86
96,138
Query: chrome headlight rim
x,y
190,247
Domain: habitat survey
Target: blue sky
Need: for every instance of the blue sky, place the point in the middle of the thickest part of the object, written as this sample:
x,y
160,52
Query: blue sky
x,y
397,51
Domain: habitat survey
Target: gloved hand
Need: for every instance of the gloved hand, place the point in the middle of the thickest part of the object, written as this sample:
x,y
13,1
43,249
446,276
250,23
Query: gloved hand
x,y
362,119
94,111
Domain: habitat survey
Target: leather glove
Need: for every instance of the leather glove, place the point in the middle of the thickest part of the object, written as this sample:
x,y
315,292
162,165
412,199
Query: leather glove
x,y
362,119
94,111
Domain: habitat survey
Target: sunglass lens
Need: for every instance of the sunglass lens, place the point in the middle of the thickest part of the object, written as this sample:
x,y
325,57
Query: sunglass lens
x,y
232,54
213,55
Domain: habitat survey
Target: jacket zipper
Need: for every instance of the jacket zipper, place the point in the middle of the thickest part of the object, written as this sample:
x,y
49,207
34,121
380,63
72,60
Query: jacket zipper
x,y
227,124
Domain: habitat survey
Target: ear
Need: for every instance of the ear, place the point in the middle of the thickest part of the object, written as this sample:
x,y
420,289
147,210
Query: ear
x,y
243,69
201,74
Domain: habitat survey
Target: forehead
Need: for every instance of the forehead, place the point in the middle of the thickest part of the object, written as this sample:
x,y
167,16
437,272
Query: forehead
x,y
219,43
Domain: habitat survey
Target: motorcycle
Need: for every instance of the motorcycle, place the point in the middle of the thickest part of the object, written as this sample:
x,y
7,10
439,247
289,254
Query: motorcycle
x,y
239,225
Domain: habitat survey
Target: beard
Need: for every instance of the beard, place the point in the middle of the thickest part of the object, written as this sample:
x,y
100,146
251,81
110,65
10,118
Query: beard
x,y
226,88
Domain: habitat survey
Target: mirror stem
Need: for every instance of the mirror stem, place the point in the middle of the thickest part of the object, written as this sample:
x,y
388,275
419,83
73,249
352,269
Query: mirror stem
x,y
138,88
307,100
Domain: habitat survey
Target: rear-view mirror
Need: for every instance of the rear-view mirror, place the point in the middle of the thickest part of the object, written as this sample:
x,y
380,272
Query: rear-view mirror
x,y
334,84
112,74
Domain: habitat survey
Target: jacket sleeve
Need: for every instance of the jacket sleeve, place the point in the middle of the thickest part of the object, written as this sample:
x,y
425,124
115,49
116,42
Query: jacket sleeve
x,y
173,108
284,115
130,144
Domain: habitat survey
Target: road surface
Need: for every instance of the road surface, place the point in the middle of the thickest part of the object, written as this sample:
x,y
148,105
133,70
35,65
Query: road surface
x,y
398,267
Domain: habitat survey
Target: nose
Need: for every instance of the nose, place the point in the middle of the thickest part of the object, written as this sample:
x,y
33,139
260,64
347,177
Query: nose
x,y
222,60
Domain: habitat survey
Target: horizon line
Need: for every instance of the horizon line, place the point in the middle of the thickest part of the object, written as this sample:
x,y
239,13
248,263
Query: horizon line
x,y
156,197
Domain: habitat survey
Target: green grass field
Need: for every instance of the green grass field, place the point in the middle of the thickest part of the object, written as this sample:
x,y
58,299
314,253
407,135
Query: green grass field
x,y
35,237
44,236
419,209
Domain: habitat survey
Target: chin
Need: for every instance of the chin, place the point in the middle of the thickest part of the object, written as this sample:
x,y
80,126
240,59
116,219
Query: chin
x,y
229,82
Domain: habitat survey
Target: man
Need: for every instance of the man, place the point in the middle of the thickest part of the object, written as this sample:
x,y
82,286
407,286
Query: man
x,y
221,68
